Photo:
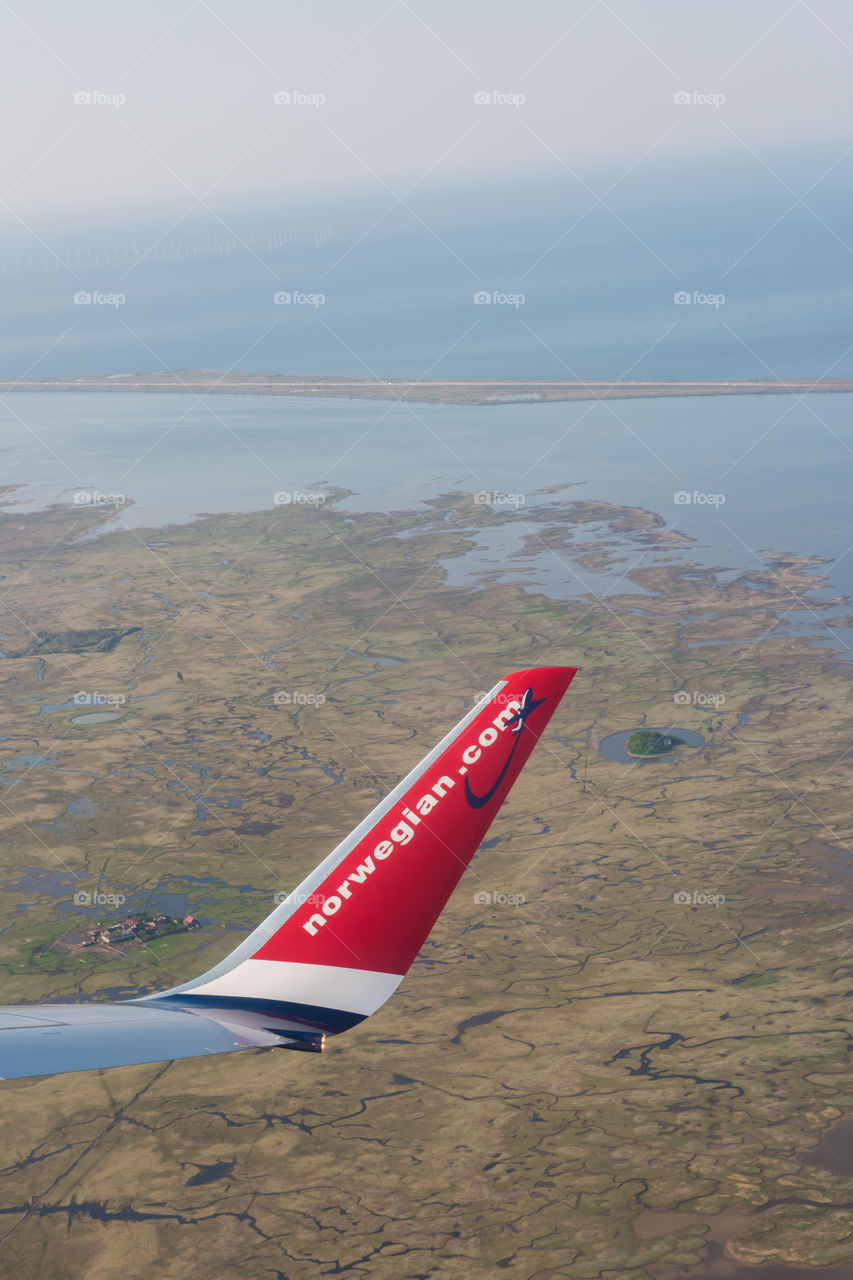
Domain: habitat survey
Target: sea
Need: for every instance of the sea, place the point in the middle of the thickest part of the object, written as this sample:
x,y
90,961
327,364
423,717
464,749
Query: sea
x,y
721,269
746,478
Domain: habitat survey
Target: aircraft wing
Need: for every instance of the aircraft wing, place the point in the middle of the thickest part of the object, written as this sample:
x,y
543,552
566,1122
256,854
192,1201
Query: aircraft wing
x,y
337,947
44,1039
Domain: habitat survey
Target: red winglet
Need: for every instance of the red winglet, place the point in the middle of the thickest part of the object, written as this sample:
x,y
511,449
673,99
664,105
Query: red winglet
x,y
377,903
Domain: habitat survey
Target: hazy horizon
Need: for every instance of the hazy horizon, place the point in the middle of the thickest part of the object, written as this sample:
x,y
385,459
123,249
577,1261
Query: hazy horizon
x,y
182,171
576,285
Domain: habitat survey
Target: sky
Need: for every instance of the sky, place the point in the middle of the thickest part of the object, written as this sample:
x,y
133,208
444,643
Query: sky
x,y
597,157
219,103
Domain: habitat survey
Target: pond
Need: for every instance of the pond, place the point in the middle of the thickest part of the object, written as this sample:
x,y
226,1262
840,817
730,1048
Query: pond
x,y
614,747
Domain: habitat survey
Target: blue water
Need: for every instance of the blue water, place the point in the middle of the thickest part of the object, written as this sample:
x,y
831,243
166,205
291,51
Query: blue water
x,y
598,282
782,464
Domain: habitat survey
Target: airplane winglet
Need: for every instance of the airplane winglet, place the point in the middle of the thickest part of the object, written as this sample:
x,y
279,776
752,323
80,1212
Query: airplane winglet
x,y
338,946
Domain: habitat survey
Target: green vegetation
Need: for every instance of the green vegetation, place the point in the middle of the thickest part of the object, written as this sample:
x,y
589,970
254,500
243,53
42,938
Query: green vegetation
x,y
649,742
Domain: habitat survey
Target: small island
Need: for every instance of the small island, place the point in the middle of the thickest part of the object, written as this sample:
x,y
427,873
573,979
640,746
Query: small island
x,y
205,382
648,742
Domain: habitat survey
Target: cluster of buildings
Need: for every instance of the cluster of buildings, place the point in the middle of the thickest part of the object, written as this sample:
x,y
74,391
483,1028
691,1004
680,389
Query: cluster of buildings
x,y
137,927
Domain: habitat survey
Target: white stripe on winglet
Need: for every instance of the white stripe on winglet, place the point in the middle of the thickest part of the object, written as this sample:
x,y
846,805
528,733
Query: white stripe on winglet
x,y
350,990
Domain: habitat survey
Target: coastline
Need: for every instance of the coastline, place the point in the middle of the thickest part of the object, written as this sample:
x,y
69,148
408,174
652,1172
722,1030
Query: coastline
x,y
460,391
